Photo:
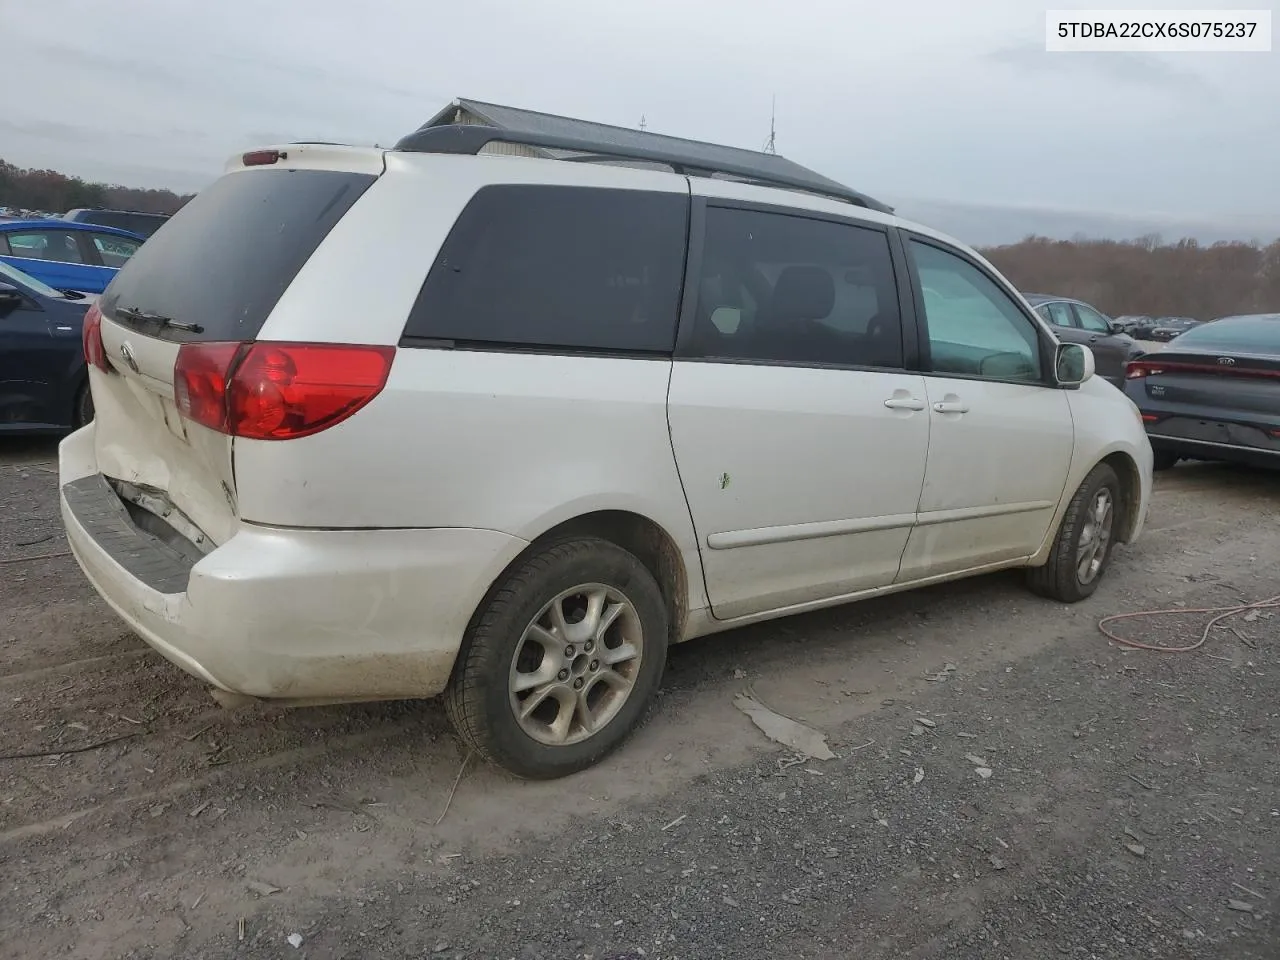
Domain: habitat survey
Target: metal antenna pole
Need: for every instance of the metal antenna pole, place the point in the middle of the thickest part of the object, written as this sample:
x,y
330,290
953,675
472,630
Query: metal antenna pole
x,y
772,145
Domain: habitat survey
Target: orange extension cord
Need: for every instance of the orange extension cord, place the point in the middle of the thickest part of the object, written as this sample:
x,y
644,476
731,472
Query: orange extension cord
x,y
1222,614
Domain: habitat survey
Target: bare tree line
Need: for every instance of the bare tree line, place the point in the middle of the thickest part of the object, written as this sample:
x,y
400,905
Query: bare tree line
x,y
54,192
1146,276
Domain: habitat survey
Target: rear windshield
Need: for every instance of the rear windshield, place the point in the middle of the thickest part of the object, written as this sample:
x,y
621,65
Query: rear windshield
x,y
1259,334
225,259
144,224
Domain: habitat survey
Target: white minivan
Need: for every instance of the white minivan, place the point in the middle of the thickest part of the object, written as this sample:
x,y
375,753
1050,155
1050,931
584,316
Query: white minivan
x,y
394,423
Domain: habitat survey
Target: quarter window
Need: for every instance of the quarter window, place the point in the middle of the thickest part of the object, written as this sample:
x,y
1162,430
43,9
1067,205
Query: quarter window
x,y
114,250
560,267
790,289
975,328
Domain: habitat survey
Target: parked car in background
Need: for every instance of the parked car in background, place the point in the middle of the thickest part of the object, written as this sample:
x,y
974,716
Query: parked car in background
x,y
1166,328
143,224
1214,393
1075,321
43,385
1136,326
65,255
802,401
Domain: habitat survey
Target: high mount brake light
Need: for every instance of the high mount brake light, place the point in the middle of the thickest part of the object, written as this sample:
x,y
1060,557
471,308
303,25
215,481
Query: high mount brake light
x,y
276,391
262,158
95,354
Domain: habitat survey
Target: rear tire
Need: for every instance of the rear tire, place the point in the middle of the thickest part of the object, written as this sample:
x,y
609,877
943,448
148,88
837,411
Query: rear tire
x,y
1164,460
571,636
1082,548
83,411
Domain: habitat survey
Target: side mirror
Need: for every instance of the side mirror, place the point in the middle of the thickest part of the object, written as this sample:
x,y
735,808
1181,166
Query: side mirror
x,y
1073,364
10,296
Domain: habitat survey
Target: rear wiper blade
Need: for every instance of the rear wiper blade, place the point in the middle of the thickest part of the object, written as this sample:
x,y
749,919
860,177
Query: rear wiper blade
x,y
142,316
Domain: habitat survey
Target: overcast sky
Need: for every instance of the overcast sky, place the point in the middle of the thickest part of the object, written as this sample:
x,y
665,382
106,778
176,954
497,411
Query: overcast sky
x,y
918,98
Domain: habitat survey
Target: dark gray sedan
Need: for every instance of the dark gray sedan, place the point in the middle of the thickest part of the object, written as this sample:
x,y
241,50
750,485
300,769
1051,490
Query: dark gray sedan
x,y
1214,393
1074,321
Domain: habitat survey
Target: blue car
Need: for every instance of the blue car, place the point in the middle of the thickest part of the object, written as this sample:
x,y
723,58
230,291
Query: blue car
x,y
67,255
43,381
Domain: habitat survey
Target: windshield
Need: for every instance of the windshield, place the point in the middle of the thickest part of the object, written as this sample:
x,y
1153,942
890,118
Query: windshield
x,y
1259,334
15,275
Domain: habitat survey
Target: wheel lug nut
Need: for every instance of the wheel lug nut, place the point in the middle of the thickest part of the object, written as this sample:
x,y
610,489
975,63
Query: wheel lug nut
x,y
569,651
589,646
563,675
577,684
595,664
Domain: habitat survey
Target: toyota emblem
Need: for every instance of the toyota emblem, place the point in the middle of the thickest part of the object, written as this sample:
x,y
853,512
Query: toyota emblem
x,y
126,352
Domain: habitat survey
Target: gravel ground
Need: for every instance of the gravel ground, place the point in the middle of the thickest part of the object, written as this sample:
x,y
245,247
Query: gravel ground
x,y
1132,807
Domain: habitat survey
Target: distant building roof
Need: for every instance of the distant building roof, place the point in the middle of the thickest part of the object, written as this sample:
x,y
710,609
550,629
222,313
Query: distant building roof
x,y
548,124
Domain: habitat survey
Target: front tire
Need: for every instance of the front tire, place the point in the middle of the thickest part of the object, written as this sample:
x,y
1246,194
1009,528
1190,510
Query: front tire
x,y
560,660
1082,549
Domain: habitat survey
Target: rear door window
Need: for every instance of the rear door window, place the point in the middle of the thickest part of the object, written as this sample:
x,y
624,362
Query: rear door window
x,y
1091,319
1059,314
231,252
560,268
785,288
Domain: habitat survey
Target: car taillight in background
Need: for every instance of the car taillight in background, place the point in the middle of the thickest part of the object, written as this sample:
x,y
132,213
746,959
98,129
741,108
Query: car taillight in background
x,y
1137,369
1225,367
95,354
276,391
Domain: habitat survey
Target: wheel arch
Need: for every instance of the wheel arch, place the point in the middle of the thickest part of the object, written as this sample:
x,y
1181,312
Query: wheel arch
x,y
1131,481
642,537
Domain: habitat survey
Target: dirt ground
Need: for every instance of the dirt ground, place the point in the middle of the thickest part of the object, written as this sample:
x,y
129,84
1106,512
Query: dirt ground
x,y
1132,807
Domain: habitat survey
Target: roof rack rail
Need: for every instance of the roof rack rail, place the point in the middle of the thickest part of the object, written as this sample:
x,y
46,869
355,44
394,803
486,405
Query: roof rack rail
x,y
472,138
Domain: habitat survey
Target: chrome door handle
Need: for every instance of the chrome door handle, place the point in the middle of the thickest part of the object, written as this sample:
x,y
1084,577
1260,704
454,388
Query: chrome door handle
x,y
904,403
951,406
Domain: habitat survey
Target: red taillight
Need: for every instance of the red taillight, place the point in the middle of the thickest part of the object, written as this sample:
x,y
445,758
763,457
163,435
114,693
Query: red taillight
x,y
1226,367
276,391
200,382
95,354
1150,418
260,158
1137,369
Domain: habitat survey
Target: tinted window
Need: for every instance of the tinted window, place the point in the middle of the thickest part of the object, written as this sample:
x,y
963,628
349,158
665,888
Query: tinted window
x,y
142,223
559,267
1259,334
789,289
975,328
59,245
1057,313
230,253
114,250
1091,319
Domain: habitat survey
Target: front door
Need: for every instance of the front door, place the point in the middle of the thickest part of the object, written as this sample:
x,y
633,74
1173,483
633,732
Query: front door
x,y
1001,434
1110,351
800,437
32,363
